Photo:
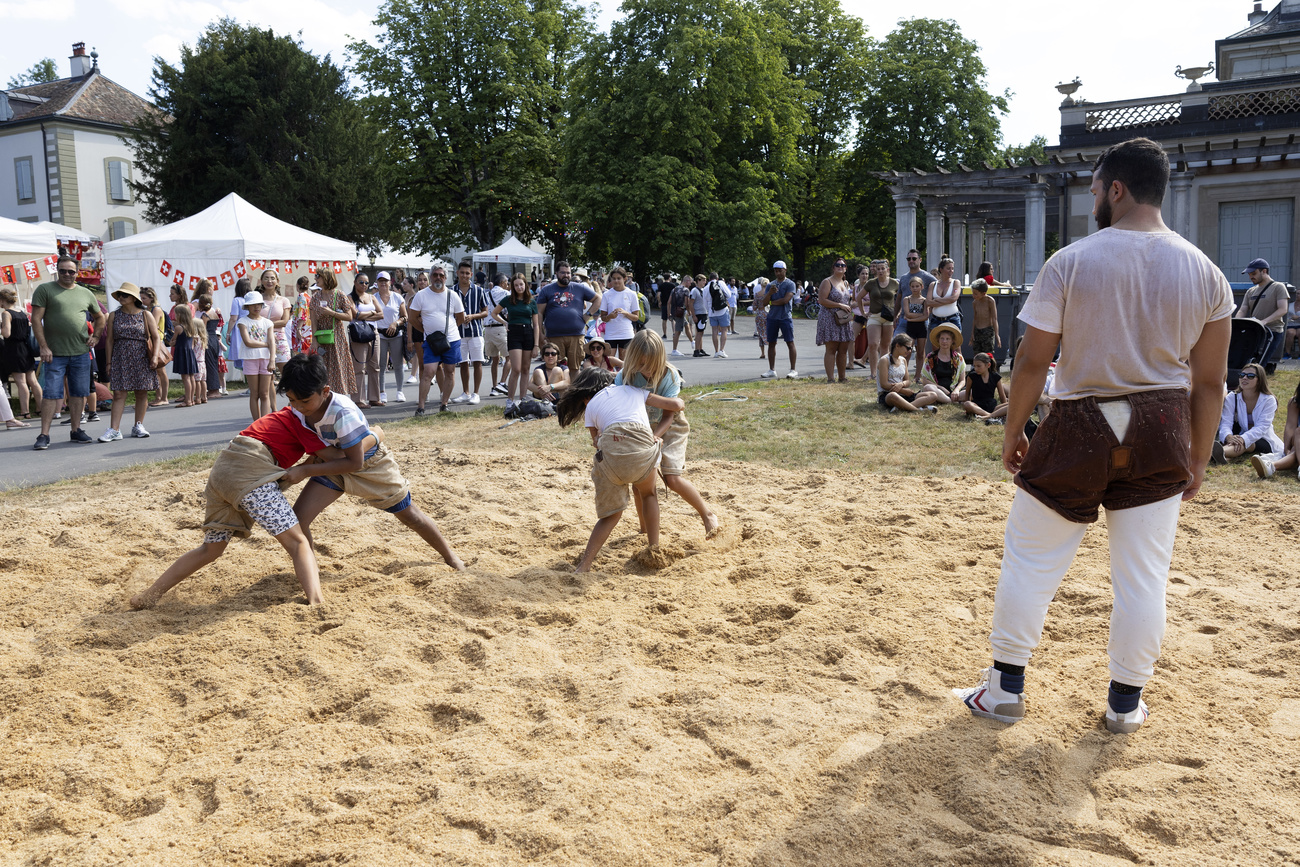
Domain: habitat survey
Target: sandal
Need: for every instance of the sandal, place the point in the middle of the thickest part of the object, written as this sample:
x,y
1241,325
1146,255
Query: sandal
x,y
15,424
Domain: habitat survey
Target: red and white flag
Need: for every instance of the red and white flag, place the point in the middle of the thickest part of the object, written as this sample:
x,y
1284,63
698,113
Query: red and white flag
x,y
178,277
338,267
227,279
31,270
194,282
311,265
166,269
240,271
351,266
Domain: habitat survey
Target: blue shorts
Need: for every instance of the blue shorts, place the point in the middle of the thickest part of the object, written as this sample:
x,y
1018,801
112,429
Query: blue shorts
x,y
720,320
451,356
75,367
784,327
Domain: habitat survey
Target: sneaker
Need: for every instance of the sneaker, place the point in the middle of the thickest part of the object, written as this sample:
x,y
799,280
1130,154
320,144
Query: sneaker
x,y
80,436
1126,723
990,701
473,399
510,404
460,398
419,412
717,355
794,374
498,390
92,416
677,353
110,435
401,398
990,421
245,393
932,409
442,407
138,431
771,374
1216,454
1263,466
42,442
720,354
412,379
383,396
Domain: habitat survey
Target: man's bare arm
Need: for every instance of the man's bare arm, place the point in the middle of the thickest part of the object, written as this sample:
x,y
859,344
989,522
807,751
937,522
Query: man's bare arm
x,y
1209,364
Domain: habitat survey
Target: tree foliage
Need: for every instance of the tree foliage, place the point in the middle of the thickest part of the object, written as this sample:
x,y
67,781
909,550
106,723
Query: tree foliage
x,y
682,120
471,94
251,112
40,72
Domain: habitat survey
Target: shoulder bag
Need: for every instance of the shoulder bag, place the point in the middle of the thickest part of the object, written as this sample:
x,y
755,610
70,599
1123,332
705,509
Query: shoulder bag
x,y
437,342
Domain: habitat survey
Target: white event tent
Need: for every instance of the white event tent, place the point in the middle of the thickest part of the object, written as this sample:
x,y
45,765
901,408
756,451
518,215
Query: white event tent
x,y
512,251
23,242
228,240
67,233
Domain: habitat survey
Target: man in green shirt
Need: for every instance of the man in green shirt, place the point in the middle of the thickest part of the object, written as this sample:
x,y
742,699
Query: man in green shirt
x,y
59,320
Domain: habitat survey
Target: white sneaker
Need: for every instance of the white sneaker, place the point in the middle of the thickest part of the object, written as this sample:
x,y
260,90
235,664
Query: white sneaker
x,y
771,374
1262,465
677,353
245,393
412,379
461,398
794,374
1126,723
383,397
110,435
990,701
720,355
473,398
137,430
401,398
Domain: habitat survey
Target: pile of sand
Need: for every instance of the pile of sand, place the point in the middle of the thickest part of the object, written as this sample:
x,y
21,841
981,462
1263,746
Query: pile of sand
x,y
776,696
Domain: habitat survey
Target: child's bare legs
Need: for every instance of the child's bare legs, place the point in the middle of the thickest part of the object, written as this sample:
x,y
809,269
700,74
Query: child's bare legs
x,y
599,536
185,566
938,396
295,541
648,488
312,500
427,530
1000,411
259,395
680,486
974,409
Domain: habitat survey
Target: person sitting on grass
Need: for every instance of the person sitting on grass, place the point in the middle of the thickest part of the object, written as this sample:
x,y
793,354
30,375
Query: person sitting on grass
x,y
1246,424
627,451
945,368
247,481
894,387
549,379
986,396
1267,466
374,477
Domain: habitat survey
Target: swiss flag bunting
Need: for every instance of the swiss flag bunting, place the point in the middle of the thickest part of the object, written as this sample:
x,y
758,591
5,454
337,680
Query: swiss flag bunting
x,y
338,267
240,271
227,279
194,282
166,269
351,266
178,277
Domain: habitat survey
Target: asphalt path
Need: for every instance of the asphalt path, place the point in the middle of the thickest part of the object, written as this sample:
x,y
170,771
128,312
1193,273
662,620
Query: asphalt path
x,y
177,431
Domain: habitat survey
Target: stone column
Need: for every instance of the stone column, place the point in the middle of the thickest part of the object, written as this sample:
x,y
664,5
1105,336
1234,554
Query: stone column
x,y
904,227
1018,262
974,248
1180,205
933,235
1006,268
956,244
1035,229
993,248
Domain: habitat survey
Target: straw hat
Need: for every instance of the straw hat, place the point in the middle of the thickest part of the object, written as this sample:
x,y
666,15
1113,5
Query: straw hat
x,y
593,341
130,289
934,333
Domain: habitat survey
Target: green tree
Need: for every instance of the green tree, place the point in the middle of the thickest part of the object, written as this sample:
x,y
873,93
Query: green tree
x,y
682,119
927,107
1018,155
40,72
471,95
824,60
250,112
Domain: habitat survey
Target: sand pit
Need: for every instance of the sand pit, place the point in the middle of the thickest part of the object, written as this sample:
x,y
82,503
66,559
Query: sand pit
x,y
775,696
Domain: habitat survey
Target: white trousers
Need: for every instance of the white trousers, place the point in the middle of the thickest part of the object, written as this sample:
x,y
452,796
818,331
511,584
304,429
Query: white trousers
x,y
1038,548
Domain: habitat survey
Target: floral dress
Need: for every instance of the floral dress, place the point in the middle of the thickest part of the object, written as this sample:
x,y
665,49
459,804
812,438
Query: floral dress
x,y
828,330
337,358
131,370
300,324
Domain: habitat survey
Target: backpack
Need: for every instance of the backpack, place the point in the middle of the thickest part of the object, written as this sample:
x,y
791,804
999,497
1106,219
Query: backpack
x,y
677,303
528,409
645,311
718,296
169,328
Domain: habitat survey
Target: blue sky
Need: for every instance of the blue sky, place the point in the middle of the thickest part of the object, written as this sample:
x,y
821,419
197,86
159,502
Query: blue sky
x,y
1120,49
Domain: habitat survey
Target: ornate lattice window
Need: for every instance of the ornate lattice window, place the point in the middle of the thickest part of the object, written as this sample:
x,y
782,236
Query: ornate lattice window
x,y
1283,100
1131,116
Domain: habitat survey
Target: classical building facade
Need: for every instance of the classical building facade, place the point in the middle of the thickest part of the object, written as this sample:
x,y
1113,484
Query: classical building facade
x,y
1232,144
62,157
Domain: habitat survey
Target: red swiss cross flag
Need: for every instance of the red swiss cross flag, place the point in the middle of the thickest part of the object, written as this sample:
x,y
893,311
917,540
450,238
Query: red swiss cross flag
x,y
166,269
338,267
351,266
50,263
194,282
311,265
227,279
178,277
240,271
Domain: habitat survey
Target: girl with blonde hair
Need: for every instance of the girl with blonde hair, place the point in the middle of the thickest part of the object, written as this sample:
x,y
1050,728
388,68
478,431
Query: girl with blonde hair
x,y
187,342
645,365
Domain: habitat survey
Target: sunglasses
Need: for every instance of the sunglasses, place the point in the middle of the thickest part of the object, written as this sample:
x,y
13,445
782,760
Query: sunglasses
x,y
1248,376
550,353
66,271
841,264
913,258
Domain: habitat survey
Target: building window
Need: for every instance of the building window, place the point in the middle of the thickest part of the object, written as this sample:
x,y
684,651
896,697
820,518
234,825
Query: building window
x,y
25,180
118,174
120,228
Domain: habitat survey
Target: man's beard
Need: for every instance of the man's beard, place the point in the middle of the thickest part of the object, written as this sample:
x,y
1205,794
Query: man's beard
x,y
562,281
1103,215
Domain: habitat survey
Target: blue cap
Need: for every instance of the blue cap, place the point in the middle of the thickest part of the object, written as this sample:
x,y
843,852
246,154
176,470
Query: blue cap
x,y
1257,265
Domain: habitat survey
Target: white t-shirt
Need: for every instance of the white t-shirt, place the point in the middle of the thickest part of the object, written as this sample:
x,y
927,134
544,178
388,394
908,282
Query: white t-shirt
x,y
616,404
435,312
257,329
392,310
700,298
619,328
1129,306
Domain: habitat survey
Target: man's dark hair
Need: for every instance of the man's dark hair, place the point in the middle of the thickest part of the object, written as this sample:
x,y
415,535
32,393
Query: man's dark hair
x,y
465,265
560,264
1140,164
67,258
914,250
304,375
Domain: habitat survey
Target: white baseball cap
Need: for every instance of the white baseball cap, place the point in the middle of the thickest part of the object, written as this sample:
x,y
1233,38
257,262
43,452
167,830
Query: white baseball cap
x,y
779,263
253,298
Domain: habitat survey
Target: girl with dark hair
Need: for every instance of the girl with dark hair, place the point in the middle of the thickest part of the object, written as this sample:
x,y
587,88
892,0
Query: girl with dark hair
x,y
364,352
235,354
211,322
149,300
944,295
627,451
523,333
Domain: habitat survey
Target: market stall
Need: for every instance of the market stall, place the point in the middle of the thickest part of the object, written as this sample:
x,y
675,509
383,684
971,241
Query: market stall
x,y
27,256
86,248
512,252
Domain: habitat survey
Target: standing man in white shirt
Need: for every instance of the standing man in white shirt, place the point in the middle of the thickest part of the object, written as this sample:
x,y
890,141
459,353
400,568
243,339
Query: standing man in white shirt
x,y
441,311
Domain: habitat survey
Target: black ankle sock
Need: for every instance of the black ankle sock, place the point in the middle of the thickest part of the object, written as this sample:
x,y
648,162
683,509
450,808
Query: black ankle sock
x,y
1008,668
1124,698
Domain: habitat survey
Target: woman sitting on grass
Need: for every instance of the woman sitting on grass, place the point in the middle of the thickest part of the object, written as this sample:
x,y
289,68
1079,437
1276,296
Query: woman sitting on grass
x,y
549,379
1246,425
1267,466
894,387
945,368
986,396
627,451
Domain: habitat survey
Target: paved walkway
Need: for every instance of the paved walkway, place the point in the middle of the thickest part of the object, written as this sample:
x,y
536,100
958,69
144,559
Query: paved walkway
x,y
176,431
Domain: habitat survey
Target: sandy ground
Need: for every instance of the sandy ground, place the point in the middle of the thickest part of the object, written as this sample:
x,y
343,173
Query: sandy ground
x,y
777,696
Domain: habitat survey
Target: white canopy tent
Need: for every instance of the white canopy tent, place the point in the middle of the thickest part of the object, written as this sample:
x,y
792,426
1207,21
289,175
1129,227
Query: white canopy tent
x,y
229,240
67,233
512,251
387,259
24,242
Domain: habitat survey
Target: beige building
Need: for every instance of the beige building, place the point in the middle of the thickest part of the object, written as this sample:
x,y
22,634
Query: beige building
x,y
62,157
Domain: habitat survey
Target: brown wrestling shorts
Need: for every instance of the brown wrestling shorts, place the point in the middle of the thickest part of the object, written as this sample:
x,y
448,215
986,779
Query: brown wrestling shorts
x,y
1076,464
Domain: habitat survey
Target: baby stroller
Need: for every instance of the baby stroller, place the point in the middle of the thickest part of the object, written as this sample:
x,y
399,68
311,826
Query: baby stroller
x,y
1250,340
